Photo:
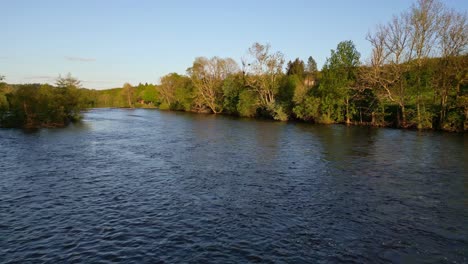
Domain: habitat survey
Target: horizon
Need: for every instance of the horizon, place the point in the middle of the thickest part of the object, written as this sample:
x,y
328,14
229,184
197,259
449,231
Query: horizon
x,y
105,46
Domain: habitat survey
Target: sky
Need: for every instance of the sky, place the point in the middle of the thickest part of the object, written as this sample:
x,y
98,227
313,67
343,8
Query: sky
x,y
105,43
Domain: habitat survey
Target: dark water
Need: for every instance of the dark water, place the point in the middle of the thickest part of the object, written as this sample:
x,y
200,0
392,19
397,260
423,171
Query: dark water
x,y
162,187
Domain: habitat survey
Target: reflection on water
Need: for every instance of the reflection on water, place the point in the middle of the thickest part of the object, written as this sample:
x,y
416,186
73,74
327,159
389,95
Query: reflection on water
x,y
151,186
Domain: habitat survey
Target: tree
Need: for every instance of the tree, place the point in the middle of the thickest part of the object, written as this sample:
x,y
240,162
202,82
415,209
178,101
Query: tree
x,y
175,92
424,22
67,81
167,89
311,73
389,63
69,92
248,103
296,67
311,67
263,77
128,92
208,76
452,40
339,80
232,87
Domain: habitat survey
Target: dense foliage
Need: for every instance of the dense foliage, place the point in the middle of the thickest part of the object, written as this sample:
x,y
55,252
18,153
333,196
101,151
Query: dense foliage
x,y
41,105
416,77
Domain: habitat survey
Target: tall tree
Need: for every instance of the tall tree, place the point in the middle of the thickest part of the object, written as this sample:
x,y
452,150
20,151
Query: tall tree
x,y
339,79
452,41
311,73
128,92
70,93
263,77
424,21
208,76
296,67
311,66
389,63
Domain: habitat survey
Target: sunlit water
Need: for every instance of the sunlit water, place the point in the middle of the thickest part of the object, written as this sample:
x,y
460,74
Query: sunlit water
x,y
164,187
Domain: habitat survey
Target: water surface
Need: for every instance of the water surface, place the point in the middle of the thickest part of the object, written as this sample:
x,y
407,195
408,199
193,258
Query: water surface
x,y
166,187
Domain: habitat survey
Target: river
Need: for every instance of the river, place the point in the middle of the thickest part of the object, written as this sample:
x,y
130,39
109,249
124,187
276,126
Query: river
x,y
148,186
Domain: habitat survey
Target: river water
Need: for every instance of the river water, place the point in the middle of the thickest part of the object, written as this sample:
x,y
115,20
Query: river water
x,y
147,186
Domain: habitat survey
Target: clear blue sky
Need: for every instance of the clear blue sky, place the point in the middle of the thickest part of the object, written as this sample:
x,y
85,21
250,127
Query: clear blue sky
x,y
105,43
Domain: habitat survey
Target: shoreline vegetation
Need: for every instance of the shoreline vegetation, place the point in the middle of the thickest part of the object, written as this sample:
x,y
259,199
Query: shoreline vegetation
x,y
416,78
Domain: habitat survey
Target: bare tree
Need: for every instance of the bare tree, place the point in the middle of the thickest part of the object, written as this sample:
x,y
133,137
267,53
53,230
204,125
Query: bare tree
x,y
452,42
208,76
391,50
264,73
424,22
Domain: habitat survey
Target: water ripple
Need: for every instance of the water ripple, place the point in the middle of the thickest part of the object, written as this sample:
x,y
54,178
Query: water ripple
x,y
145,186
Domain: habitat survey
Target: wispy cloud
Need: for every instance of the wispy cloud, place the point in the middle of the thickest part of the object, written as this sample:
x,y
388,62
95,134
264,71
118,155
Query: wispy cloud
x,y
71,58
4,57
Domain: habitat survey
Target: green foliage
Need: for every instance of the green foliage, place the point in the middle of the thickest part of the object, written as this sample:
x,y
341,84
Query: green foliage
x,y
232,87
423,92
279,113
287,91
311,67
128,94
339,77
147,94
208,76
296,67
184,95
308,108
248,103
175,92
4,106
34,105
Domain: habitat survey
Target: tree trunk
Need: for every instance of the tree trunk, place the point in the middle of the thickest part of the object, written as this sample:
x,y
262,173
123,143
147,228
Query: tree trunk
x,y
348,119
403,115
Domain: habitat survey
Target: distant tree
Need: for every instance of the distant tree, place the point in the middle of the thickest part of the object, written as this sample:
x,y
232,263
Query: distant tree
x,y
389,63
310,73
175,92
296,67
424,20
232,87
311,66
149,94
452,71
4,105
35,105
70,93
67,81
339,78
167,89
248,103
264,76
128,92
208,76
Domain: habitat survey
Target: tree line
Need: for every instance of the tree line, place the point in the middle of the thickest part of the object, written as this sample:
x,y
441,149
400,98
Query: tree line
x,y
416,77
